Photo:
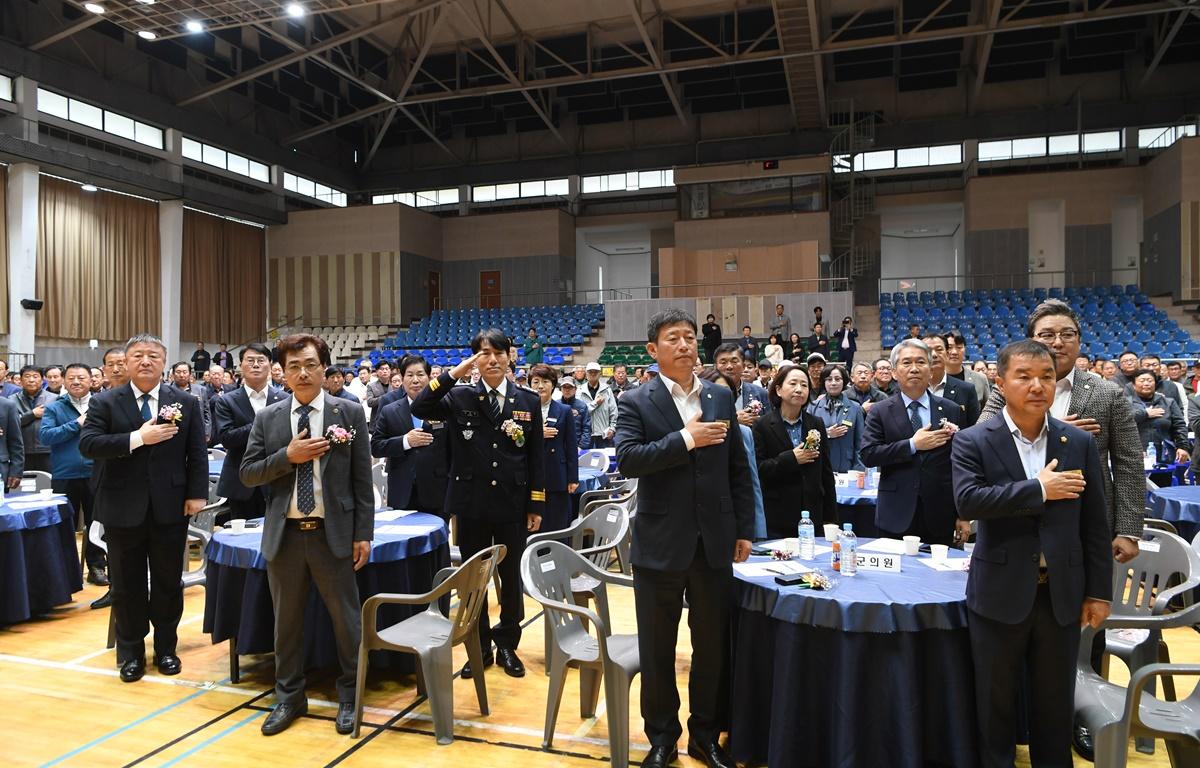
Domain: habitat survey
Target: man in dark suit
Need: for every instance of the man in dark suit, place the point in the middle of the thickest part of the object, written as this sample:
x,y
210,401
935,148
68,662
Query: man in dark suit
x,y
730,362
1042,564
695,517
947,387
907,437
335,385
181,379
417,452
201,359
224,358
497,485
12,447
233,415
319,523
147,445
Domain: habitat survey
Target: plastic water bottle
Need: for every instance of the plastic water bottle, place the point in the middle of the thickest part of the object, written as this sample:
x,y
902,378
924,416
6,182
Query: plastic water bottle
x,y
808,537
1151,457
849,544
835,557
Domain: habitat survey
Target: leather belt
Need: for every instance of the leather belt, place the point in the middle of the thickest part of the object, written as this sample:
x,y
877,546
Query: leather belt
x,y
305,523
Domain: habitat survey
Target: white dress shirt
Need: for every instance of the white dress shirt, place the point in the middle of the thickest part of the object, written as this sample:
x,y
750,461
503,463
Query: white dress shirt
x,y
1032,455
258,398
135,437
938,388
316,428
687,403
1062,396
925,412
417,424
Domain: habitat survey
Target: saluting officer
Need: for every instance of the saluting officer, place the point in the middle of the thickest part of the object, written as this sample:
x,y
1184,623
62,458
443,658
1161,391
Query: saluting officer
x,y
497,475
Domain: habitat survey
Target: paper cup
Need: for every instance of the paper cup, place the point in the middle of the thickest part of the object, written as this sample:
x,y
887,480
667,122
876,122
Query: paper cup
x,y
912,545
237,525
831,531
791,545
939,551
46,493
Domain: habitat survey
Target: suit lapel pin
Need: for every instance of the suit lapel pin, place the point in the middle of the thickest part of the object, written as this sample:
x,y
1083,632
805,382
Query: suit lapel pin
x,y
481,398
709,395
1062,439
1087,386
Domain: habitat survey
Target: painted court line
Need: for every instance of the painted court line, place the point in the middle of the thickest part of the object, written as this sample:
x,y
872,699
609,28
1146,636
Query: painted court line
x,y
214,738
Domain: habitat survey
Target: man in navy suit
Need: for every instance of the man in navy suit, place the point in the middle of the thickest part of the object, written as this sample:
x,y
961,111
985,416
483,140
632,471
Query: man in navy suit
x,y
233,416
947,387
151,476
560,446
1042,564
908,437
417,452
730,362
695,518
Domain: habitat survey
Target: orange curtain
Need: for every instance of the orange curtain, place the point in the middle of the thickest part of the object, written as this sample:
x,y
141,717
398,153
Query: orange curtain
x,y
98,263
224,290
3,249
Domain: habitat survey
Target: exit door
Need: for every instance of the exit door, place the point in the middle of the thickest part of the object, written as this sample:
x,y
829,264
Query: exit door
x,y
489,289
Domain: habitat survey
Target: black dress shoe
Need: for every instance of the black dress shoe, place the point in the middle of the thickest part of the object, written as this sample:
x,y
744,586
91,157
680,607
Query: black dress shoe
x,y
344,723
282,716
98,577
511,663
132,670
168,664
468,673
103,601
660,757
1082,741
712,754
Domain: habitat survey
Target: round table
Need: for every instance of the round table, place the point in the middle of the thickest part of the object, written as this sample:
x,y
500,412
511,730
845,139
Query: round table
x,y
1178,505
237,602
590,478
39,564
215,466
857,505
875,672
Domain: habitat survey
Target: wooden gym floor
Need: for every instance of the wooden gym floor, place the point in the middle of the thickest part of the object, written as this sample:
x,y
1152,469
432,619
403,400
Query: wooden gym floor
x,y
62,704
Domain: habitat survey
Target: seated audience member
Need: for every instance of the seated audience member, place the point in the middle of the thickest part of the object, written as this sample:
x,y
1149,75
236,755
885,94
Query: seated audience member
x,y
417,451
31,404
1159,420
843,420
882,377
583,418
818,342
1042,564
791,452
908,438
559,447
773,351
747,345
730,362
760,521
335,384
863,390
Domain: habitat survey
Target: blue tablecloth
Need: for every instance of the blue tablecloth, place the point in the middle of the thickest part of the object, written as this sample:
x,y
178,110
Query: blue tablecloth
x,y
590,479
889,652
237,603
214,467
39,562
852,494
1179,503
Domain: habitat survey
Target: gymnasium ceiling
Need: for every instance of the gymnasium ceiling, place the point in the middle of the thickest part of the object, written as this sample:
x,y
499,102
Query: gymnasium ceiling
x,y
405,93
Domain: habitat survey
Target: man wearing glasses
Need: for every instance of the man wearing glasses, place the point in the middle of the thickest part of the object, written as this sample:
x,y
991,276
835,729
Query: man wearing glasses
x,y
1087,401
233,415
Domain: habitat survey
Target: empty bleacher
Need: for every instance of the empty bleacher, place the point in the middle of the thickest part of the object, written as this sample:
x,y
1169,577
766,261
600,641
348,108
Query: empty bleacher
x,y
345,341
629,354
1113,318
444,337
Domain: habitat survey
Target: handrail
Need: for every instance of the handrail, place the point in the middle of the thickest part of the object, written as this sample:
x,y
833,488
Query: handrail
x,y
1007,280
267,334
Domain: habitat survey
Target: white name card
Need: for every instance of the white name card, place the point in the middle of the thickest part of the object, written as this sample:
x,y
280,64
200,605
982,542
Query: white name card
x,y
878,561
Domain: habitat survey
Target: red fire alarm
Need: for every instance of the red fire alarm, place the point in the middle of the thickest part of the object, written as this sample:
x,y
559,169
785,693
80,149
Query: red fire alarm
x,y
770,165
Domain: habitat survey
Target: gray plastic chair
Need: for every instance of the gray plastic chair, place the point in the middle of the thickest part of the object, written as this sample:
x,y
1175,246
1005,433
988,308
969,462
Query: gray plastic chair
x,y
1114,714
547,570
595,537
379,484
431,636
41,480
1145,586
1160,525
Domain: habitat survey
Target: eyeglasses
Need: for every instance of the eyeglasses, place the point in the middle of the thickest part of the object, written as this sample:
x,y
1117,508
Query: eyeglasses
x,y
1048,337
309,368
255,362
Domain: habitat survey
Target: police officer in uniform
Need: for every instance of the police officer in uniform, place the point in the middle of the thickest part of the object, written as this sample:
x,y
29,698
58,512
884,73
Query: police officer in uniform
x,y
496,482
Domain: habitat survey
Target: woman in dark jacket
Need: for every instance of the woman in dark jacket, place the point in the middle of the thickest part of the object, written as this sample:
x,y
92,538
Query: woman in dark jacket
x,y
712,338
561,451
793,478
1158,419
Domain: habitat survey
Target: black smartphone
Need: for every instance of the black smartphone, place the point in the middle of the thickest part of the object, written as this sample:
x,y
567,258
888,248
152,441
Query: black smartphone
x,y
791,580
925,548
759,551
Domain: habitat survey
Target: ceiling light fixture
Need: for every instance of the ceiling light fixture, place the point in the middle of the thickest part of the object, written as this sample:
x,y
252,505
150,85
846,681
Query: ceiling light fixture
x,y
194,26
88,187
146,34
93,8
146,2
295,10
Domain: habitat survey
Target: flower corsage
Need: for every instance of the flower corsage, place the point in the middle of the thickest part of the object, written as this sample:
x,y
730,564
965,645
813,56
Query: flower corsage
x,y
812,441
754,408
514,431
950,425
780,554
170,414
339,435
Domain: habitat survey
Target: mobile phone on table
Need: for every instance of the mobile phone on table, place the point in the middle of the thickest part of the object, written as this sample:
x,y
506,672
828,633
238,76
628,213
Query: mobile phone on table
x,y
792,580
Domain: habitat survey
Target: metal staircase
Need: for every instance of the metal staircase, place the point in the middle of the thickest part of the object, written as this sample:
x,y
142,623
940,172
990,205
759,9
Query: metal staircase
x,y
851,193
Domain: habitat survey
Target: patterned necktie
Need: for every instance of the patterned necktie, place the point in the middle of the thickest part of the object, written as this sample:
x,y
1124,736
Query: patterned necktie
x,y
495,406
914,409
145,408
306,501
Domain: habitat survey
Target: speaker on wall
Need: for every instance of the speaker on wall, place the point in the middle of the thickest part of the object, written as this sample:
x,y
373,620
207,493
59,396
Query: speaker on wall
x,y
33,304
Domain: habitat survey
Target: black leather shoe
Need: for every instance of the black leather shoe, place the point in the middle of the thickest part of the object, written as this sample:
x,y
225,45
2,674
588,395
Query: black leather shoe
x,y
468,673
282,716
168,664
344,723
511,663
1082,741
132,670
660,757
103,601
712,754
98,577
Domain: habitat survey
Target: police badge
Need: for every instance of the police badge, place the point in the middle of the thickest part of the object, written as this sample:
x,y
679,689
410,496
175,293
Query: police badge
x,y
468,434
